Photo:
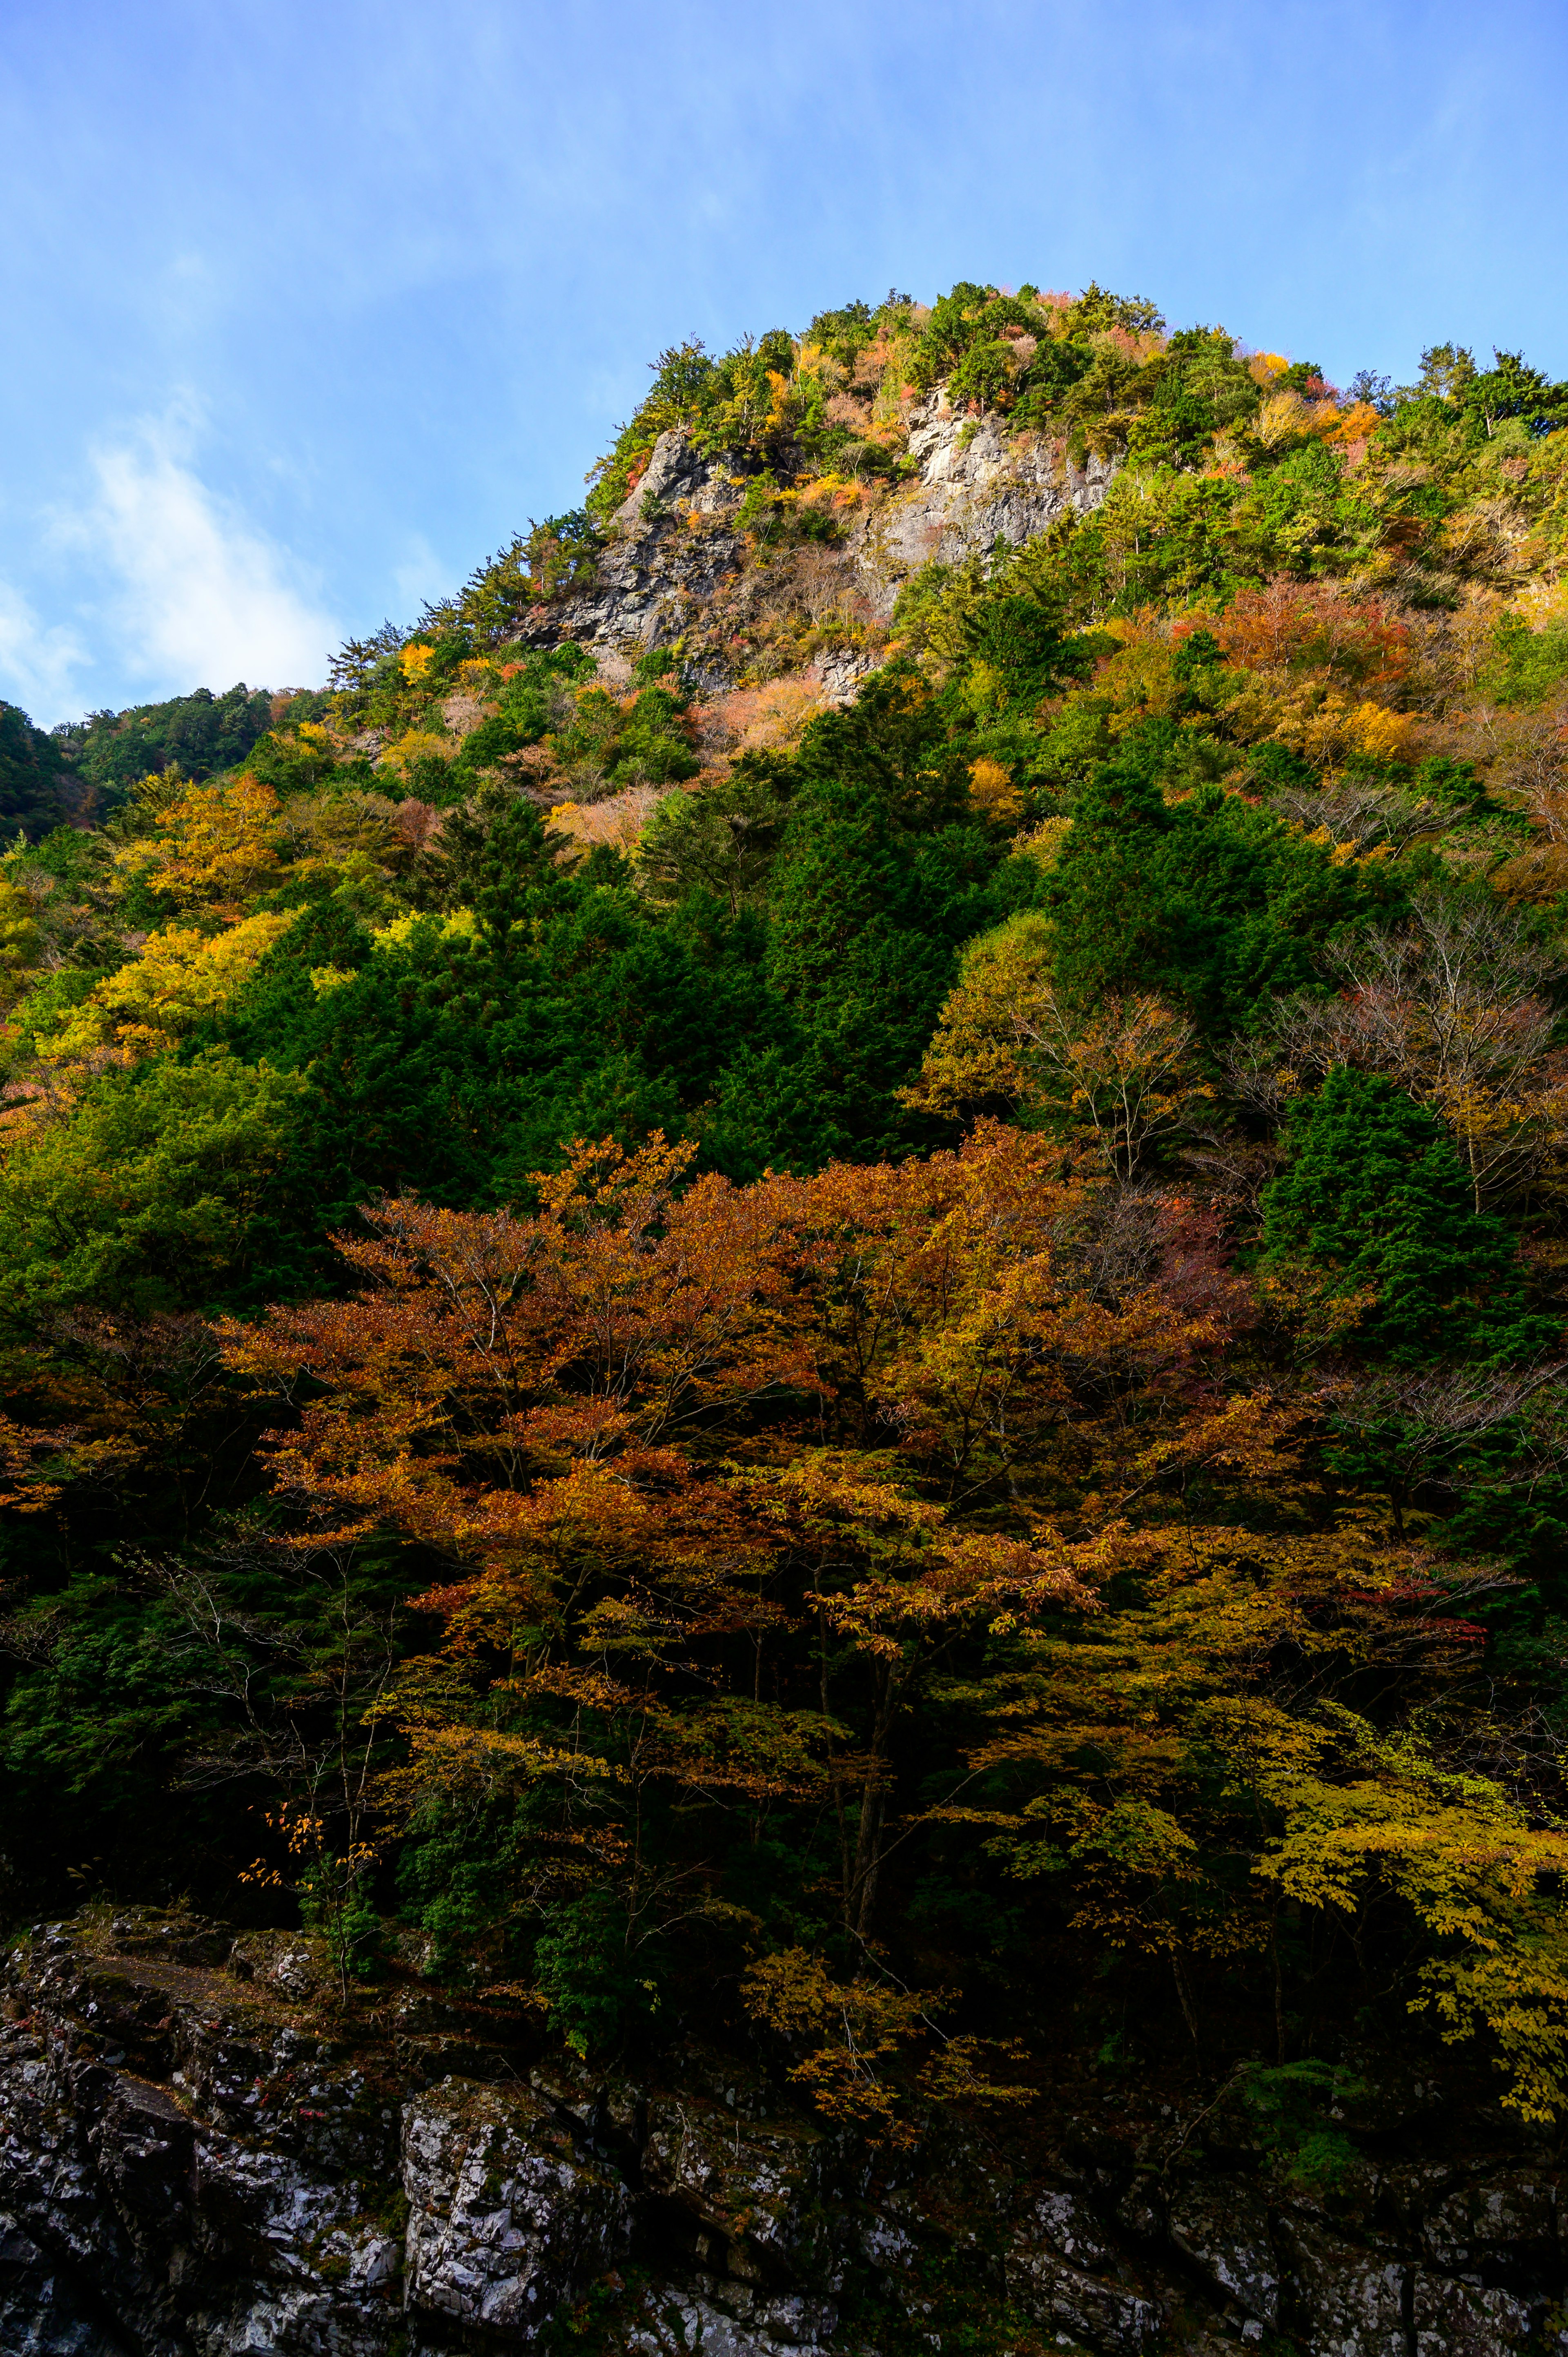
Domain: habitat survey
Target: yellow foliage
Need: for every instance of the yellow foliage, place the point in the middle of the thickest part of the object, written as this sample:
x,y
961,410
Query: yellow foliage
x,y
216,847
1381,735
181,975
1323,724
458,924
414,745
1123,1077
991,789
1280,417
1480,1878
1043,843
857,2032
778,401
980,1050
415,663
18,937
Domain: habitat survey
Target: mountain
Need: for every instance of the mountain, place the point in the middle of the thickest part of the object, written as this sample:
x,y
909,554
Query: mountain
x,y
201,734
37,791
784,1437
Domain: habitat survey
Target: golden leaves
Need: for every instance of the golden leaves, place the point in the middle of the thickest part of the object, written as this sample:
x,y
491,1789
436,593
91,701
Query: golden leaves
x,y
216,847
1124,1077
862,2035
181,975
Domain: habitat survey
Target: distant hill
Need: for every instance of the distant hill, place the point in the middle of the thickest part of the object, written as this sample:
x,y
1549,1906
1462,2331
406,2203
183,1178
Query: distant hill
x,y
201,733
37,789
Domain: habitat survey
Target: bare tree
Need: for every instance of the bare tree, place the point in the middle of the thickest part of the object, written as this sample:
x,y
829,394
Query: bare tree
x,y
1423,1429
1362,814
1450,1006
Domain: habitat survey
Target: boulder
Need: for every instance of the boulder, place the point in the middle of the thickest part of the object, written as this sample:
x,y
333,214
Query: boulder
x,y
729,2321
1460,2319
1063,2272
507,2217
41,2312
1339,2296
754,2190
1071,2304
1477,2225
196,2164
1223,2226
679,476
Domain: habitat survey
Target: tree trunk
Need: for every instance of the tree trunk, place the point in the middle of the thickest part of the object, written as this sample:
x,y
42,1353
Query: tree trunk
x,y
861,1897
1184,1991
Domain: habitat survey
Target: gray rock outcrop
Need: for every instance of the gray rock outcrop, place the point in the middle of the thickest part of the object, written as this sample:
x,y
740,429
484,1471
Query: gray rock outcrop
x,y
977,485
674,547
206,2158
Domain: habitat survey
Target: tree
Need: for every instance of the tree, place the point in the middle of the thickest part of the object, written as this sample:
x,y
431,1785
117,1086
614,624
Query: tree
x,y
568,1407
140,1190
200,735
33,776
1209,903
1452,1006
1374,1193
722,839
1125,1078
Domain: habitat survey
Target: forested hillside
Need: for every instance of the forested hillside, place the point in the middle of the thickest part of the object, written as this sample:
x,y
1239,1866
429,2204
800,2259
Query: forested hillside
x,y
810,1267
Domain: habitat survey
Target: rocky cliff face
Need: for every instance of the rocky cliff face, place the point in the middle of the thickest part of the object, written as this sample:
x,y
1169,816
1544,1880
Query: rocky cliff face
x,y
201,2155
677,563
977,485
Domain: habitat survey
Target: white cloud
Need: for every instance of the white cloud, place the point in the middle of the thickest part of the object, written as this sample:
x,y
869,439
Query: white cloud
x,y
37,663
196,594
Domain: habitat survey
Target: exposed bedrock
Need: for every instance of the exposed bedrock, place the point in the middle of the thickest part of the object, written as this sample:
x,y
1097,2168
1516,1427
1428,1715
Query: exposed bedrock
x,y
202,2156
675,546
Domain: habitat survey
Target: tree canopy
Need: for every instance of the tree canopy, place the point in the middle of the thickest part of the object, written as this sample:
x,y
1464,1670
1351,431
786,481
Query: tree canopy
x,y
812,1348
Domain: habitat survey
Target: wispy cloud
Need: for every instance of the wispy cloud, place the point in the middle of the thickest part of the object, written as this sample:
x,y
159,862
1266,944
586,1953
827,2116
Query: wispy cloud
x,y
37,663
193,593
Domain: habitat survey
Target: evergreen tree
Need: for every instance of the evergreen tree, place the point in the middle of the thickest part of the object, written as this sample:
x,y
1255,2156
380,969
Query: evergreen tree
x,y
1375,1192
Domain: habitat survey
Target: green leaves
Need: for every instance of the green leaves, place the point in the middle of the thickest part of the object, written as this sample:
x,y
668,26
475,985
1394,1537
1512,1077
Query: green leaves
x,y
32,770
201,733
142,1194
1375,1192
1204,901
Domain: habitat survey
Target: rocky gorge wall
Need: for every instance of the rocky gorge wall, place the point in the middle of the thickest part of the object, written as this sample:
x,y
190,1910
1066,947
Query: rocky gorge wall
x,y
203,2155
677,562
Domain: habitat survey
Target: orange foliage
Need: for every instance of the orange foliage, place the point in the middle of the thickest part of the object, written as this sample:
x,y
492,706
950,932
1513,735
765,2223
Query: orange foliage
x,y
1298,626
770,718
657,1427
617,819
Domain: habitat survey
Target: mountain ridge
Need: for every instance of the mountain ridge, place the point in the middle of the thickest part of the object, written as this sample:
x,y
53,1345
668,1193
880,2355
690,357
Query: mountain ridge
x,y
784,1398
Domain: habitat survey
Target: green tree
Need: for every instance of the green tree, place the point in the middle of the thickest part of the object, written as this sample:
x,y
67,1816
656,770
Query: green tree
x,y
867,921
32,776
143,1194
201,734
1205,902
723,840
1375,1195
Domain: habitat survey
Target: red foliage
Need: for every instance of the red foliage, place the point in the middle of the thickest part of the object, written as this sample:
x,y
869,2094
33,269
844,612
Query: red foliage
x,y
1316,626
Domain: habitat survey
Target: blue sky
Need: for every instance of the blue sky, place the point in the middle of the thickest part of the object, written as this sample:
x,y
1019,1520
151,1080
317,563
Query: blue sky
x,y
307,308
